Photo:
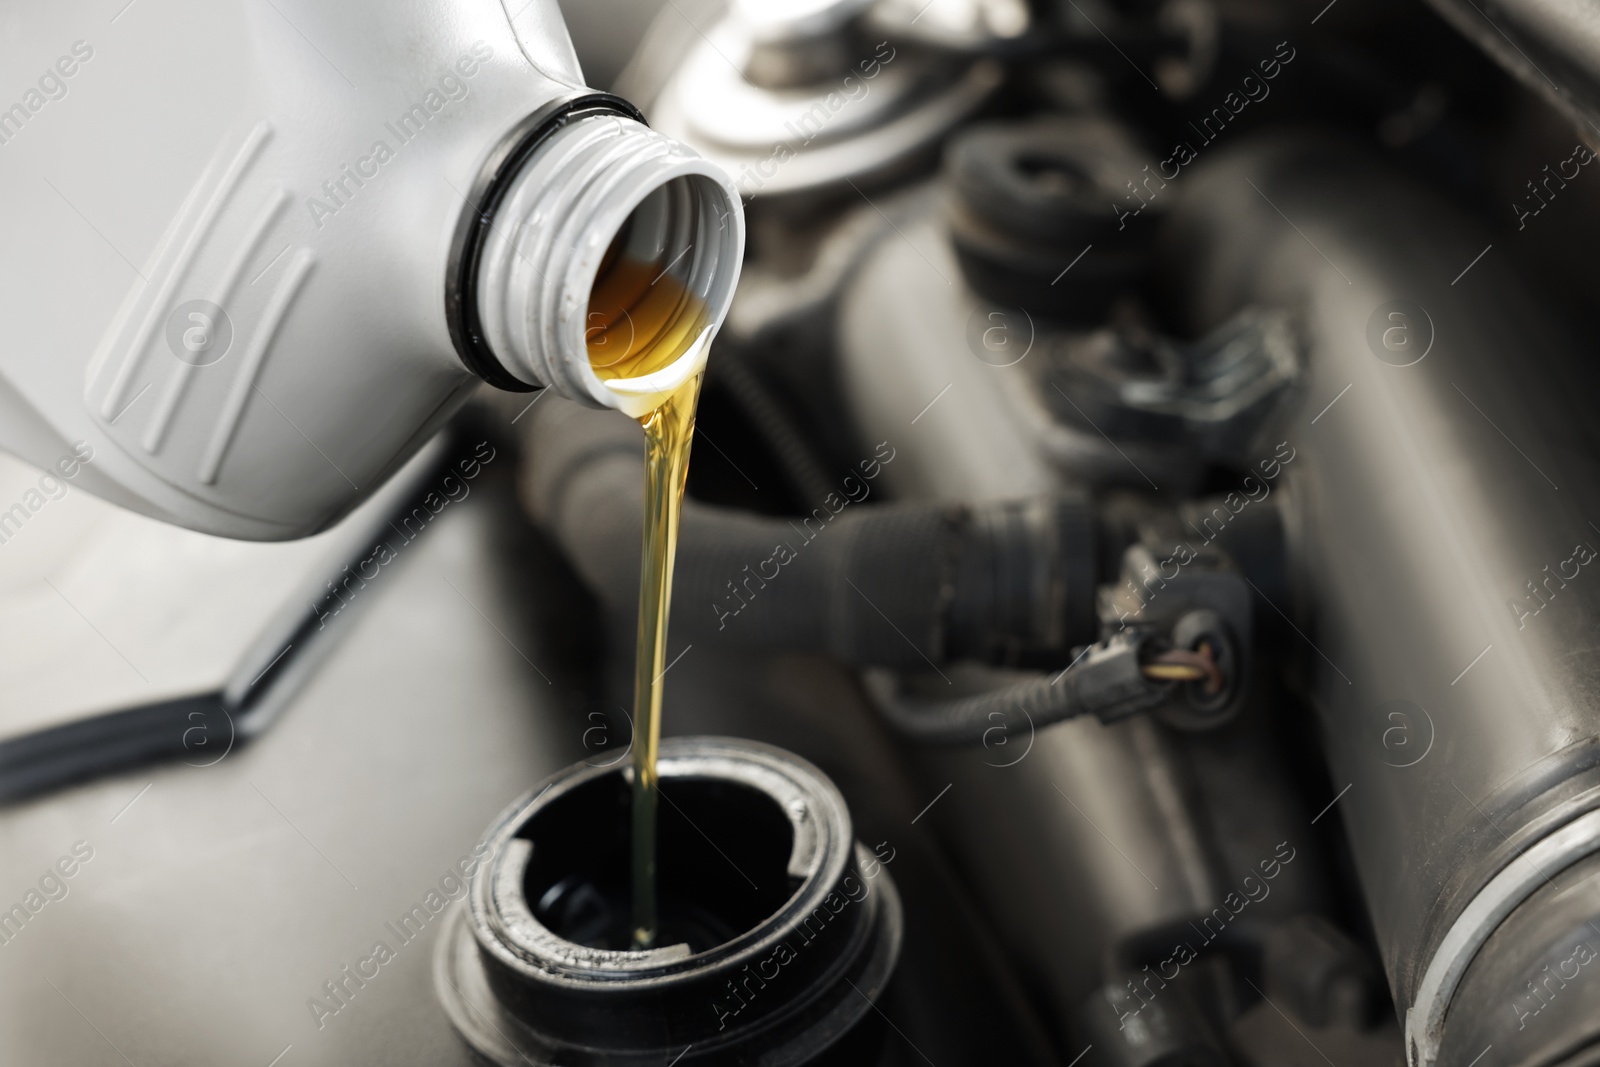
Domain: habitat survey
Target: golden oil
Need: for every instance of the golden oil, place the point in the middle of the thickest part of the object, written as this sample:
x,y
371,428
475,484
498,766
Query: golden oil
x,y
641,319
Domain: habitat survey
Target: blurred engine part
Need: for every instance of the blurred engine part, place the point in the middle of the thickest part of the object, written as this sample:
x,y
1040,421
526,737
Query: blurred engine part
x,y
1554,48
1024,193
1132,831
1454,852
798,101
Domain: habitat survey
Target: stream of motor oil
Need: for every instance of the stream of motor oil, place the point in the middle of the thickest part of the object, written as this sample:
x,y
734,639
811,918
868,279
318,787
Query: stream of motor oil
x,y
641,319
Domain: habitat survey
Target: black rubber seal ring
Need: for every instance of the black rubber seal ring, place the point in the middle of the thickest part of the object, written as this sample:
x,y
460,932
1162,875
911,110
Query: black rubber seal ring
x,y
483,200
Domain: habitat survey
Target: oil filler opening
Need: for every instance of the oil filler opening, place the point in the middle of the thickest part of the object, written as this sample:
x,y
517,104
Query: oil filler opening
x,y
779,930
713,834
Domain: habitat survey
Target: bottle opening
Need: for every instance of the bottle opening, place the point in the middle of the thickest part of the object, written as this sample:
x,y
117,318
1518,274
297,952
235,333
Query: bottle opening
x,y
611,260
724,851
646,309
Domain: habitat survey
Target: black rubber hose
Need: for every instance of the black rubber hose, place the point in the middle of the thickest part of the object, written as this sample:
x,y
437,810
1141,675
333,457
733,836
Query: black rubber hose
x,y
890,585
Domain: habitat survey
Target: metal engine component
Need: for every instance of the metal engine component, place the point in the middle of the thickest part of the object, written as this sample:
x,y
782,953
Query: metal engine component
x,y
791,102
1484,658
1024,194
1553,47
1089,843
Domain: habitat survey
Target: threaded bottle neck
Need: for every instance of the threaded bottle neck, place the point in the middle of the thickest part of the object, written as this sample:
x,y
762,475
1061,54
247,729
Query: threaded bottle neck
x,y
602,194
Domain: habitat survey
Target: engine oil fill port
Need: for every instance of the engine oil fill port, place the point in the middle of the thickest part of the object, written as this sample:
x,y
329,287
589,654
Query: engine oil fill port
x,y
778,932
